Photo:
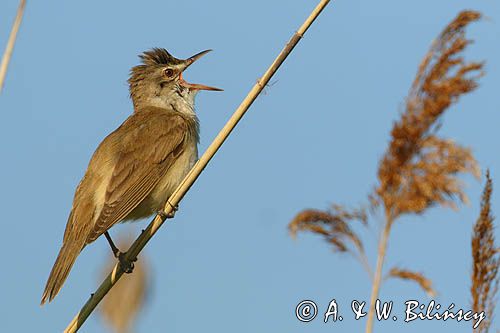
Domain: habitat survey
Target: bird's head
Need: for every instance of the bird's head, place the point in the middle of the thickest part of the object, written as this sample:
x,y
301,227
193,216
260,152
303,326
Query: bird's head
x,y
158,80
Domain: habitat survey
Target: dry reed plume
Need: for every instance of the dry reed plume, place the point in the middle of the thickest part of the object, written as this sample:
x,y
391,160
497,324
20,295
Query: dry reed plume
x,y
124,302
333,225
485,261
419,278
419,169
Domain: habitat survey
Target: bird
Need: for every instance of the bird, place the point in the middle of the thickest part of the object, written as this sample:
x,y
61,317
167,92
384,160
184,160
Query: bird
x,y
136,168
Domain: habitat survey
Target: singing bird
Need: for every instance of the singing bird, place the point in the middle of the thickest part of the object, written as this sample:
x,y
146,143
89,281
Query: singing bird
x,y
137,167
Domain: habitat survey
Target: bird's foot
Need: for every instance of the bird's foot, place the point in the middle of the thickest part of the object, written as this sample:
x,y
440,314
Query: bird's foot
x,y
125,264
170,215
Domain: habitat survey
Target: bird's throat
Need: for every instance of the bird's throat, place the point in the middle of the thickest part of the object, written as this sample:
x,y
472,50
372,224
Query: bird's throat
x,y
182,103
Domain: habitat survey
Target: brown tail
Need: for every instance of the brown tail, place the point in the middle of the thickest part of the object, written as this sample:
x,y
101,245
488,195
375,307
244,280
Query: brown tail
x,y
65,260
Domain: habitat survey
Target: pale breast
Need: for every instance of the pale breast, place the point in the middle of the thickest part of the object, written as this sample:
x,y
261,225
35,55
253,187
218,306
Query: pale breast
x,y
175,174
156,200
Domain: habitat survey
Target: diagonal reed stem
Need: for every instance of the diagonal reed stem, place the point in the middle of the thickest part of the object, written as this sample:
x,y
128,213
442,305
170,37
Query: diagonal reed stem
x,y
191,177
10,43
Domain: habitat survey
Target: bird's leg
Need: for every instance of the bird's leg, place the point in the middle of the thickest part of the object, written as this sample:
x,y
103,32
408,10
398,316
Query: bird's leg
x,y
170,215
126,265
116,251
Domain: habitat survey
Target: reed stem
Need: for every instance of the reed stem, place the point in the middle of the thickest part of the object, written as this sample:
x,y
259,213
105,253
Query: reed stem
x,y
195,172
377,279
10,43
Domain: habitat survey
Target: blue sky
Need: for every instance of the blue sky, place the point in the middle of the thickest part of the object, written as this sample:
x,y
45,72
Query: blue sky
x,y
226,262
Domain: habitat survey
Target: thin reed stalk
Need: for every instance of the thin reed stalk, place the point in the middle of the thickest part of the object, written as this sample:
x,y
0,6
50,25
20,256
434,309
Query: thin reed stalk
x,y
377,278
195,172
10,43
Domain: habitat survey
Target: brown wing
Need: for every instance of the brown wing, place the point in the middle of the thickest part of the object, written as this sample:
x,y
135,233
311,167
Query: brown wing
x,y
148,144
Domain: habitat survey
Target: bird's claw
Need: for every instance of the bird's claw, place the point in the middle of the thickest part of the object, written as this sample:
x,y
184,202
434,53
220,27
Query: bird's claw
x,y
170,215
125,264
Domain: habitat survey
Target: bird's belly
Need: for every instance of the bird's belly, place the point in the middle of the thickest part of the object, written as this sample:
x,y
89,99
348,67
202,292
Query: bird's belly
x,y
156,200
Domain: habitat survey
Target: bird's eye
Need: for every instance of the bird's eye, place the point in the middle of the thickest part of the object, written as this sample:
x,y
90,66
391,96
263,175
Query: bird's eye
x,y
169,72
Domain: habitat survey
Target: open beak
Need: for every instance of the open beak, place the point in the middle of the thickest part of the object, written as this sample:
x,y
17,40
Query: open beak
x,y
195,86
